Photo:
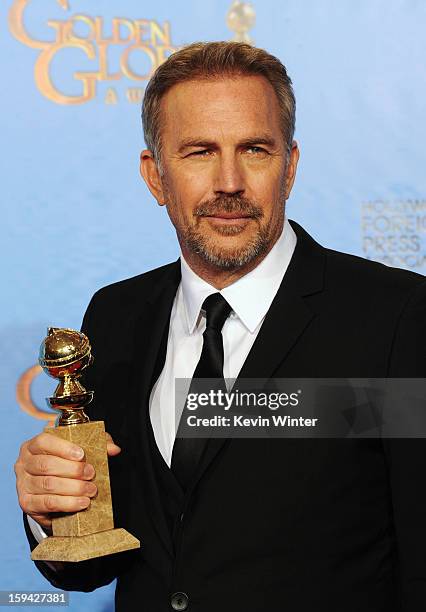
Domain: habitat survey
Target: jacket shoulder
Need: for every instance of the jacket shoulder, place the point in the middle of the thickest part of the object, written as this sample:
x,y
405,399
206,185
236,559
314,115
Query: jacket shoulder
x,y
352,277
134,288
121,301
357,273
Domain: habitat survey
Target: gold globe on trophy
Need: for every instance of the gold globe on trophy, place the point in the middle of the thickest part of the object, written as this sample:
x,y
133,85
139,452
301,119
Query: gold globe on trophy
x,y
240,19
89,533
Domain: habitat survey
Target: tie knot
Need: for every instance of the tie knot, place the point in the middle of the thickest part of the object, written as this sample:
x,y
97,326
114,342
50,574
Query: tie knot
x,y
217,311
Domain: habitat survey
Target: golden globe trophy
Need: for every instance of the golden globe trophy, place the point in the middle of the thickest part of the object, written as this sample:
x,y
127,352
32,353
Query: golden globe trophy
x,y
89,533
240,18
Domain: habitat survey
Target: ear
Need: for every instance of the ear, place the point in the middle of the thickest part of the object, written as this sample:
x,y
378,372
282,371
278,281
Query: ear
x,y
291,168
151,176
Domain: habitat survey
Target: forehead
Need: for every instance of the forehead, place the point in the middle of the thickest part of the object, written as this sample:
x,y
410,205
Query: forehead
x,y
223,107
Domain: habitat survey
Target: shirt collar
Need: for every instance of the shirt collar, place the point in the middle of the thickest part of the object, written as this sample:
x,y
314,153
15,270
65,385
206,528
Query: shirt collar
x,y
262,282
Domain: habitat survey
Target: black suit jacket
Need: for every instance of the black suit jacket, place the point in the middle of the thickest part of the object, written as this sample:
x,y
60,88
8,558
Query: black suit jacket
x,y
267,524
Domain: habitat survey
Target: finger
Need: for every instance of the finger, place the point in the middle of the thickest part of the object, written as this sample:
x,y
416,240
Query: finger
x,y
112,448
44,521
48,465
42,504
48,444
39,485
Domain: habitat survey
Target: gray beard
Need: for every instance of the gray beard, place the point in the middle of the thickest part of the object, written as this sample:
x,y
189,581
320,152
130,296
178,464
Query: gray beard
x,y
231,260
197,243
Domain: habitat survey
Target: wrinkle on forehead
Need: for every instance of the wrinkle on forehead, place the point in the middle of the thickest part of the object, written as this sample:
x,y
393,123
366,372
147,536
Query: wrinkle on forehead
x,y
219,108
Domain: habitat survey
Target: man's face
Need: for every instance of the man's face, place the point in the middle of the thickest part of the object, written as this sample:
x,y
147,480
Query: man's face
x,y
225,176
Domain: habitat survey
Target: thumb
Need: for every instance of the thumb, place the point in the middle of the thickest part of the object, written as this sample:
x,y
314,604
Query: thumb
x,y
112,448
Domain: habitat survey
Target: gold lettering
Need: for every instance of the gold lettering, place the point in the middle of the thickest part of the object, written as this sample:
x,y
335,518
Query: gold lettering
x,y
142,30
124,62
117,24
149,37
99,28
62,30
151,31
17,28
160,36
44,82
87,21
111,96
103,64
134,95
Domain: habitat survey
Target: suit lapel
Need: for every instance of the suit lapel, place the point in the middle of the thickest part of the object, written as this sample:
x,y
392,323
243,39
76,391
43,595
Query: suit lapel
x,y
289,314
151,334
285,322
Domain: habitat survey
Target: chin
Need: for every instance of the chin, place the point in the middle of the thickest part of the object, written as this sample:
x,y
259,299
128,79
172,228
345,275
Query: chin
x,y
228,256
229,247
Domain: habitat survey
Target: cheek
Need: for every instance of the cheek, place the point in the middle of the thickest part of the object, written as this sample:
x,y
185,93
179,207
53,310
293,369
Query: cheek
x,y
269,194
190,189
267,180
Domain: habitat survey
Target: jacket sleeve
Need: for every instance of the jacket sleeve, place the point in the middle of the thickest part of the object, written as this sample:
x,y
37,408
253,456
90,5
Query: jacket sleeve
x,y
406,458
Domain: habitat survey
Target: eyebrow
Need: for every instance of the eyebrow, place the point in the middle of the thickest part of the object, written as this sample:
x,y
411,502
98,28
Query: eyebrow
x,y
247,142
259,140
195,142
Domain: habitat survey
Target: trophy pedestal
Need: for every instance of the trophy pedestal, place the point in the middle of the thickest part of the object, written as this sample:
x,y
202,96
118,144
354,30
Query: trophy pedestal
x,y
88,533
81,548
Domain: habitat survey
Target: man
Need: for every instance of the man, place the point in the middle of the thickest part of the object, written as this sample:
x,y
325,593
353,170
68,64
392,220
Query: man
x,y
265,524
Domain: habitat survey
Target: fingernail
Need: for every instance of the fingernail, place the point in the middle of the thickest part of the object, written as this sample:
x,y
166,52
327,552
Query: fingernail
x,y
88,471
83,502
77,453
91,489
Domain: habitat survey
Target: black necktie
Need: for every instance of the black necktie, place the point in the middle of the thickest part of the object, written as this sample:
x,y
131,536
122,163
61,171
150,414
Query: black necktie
x,y
187,451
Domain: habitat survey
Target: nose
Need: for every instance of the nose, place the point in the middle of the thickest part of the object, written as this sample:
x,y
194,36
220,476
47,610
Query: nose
x,y
229,176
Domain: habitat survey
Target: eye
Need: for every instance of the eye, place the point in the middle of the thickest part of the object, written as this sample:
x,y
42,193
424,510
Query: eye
x,y
254,150
200,153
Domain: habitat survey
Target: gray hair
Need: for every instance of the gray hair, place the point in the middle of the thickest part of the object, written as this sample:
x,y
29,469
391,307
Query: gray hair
x,y
210,60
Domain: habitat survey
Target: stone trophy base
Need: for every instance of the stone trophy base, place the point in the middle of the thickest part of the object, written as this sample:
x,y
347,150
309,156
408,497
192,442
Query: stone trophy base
x,y
81,548
89,533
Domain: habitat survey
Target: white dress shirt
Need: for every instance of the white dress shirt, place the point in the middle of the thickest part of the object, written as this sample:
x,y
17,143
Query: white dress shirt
x,y
249,297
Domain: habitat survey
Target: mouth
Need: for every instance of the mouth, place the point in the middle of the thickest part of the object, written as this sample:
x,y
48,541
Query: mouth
x,y
229,215
229,218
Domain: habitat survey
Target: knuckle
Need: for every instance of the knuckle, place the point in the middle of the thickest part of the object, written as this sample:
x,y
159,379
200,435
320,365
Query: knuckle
x,y
17,467
50,503
43,465
47,483
39,443
46,442
30,445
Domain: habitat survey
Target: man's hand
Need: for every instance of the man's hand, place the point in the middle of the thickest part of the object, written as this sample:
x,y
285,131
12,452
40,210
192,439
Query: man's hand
x,y
52,476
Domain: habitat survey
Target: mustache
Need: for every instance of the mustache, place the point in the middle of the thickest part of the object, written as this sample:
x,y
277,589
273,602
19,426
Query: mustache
x,y
228,204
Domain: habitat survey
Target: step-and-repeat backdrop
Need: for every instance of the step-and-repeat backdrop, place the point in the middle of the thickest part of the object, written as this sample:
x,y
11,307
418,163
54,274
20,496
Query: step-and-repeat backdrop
x,y
75,214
